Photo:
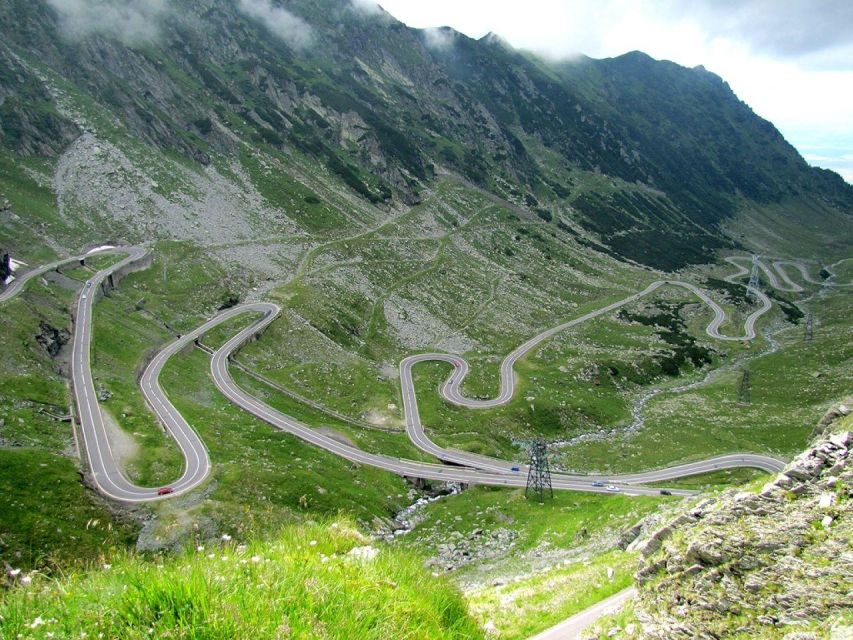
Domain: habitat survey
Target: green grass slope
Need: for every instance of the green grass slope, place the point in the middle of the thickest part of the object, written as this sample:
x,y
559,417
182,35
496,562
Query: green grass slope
x,y
312,581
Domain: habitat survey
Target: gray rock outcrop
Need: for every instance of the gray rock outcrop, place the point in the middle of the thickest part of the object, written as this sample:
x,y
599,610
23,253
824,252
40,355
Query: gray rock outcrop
x,y
764,565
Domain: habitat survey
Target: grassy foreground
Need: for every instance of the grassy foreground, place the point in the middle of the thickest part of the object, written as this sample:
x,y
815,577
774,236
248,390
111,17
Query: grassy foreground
x,y
313,581
536,602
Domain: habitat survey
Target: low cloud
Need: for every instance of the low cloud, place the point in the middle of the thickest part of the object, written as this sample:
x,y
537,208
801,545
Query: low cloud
x,y
439,38
295,32
370,7
132,22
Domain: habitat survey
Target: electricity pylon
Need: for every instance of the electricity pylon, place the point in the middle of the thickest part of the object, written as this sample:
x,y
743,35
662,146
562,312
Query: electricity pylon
x,y
808,336
744,393
752,286
539,474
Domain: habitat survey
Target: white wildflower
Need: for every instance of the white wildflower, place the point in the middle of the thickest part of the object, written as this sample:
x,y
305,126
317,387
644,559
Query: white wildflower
x,y
225,537
365,553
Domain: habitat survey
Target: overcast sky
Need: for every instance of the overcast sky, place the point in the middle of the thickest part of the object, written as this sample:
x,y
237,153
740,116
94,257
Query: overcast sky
x,y
790,60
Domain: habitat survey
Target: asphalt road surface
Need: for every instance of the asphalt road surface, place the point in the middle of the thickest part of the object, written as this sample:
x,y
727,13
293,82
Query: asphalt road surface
x,y
21,279
572,628
466,467
106,474
451,389
221,375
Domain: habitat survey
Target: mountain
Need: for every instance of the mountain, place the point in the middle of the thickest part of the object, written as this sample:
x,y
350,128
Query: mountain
x,y
396,192
641,158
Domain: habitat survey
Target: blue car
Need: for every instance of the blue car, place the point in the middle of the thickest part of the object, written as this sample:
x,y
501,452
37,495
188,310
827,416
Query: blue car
x,y
597,483
515,469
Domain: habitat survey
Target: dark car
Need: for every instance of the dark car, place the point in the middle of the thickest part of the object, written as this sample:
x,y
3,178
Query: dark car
x,y
515,469
665,492
598,483
165,491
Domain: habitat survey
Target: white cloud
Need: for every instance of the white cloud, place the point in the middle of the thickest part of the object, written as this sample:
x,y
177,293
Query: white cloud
x,y
292,29
792,62
132,22
438,38
366,6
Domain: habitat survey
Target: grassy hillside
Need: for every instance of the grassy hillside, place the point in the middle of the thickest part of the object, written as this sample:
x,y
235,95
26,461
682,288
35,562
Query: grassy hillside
x,y
309,581
49,518
458,272
791,386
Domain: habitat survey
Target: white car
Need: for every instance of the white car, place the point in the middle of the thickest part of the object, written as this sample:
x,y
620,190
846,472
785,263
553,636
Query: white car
x,y
613,487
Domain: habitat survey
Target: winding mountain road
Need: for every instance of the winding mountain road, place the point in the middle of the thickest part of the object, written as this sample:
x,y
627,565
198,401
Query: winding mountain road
x,y
105,472
451,389
20,281
219,369
465,467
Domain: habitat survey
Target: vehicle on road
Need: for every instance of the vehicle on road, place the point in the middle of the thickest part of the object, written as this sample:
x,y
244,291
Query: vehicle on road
x,y
515,469
613,487
665,492
598,483
164,491
83,296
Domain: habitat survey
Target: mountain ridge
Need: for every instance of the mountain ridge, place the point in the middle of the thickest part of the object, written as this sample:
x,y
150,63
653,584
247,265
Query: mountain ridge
x,y
384,107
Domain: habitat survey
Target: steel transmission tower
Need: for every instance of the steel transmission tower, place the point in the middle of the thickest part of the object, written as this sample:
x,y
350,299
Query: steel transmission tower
x,y
539,474
744,393
808,336
752,286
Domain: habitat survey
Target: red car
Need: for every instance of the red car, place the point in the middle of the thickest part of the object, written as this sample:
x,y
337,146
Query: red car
x,y
165,491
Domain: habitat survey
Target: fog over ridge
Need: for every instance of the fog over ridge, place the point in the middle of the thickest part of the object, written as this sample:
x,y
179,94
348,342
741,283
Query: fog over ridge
x,y
132,22
292,29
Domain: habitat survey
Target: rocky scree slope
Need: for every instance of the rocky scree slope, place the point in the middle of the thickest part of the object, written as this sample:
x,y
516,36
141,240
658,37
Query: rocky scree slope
x,y
772,564
387,109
